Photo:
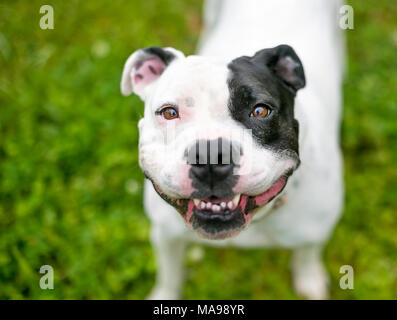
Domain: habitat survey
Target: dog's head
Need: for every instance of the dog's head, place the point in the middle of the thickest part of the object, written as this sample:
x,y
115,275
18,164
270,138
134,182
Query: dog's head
x,y
218,139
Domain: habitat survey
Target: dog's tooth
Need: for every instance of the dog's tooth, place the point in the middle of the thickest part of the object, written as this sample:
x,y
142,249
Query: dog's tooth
x,y
223,205
202,204
216,208
230,205
209,204
236,199
196,202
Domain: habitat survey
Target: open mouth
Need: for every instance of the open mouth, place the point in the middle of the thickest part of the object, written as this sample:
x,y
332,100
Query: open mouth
x,y
216,218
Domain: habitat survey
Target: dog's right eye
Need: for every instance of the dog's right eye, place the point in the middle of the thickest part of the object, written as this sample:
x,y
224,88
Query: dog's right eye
x,y
169,113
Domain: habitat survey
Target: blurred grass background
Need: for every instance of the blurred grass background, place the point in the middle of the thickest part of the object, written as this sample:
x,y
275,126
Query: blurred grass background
x,y
71,188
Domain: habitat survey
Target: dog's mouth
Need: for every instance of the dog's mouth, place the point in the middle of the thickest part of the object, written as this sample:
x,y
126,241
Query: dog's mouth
x,y
216,218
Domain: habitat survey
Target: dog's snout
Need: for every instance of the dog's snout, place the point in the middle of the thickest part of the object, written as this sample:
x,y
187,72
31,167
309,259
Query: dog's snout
x,y
213,160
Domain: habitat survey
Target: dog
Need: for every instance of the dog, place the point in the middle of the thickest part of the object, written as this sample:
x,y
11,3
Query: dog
x,y
240,143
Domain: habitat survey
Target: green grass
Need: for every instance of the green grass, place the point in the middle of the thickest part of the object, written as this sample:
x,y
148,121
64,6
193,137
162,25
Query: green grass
x,y
70,185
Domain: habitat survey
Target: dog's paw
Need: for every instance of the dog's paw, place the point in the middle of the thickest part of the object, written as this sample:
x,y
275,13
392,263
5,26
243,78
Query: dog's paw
x,y
162,294
312,285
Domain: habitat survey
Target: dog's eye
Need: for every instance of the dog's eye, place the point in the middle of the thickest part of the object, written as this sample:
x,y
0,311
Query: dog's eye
x,y
260,111
169,113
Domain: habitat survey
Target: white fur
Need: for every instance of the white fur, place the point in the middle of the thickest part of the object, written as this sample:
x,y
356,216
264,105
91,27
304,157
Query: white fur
x,y
315,191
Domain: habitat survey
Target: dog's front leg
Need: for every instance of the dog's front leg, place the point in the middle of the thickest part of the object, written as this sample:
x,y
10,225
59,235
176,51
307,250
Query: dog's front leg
x,y
308,272
169,254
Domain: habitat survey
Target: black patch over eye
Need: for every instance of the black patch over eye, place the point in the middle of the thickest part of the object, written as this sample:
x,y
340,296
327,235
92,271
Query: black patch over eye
x,y
255,89
260,111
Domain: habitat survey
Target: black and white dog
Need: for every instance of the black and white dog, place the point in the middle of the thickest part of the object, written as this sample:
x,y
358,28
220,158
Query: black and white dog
x,y
229,143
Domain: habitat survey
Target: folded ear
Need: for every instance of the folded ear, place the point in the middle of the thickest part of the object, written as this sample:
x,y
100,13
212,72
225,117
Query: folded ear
x,y
144,67
285,64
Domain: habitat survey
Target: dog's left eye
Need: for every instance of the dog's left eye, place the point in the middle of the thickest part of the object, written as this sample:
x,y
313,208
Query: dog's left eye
x,y
260,111
169,113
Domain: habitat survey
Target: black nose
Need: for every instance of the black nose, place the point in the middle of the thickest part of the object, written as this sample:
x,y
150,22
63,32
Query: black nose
x,y
212,161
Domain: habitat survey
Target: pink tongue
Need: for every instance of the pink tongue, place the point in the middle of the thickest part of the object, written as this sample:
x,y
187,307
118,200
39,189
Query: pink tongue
x,y
189,211
270,193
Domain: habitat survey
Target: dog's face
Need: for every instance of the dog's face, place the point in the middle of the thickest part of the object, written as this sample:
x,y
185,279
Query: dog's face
x,y
218,139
